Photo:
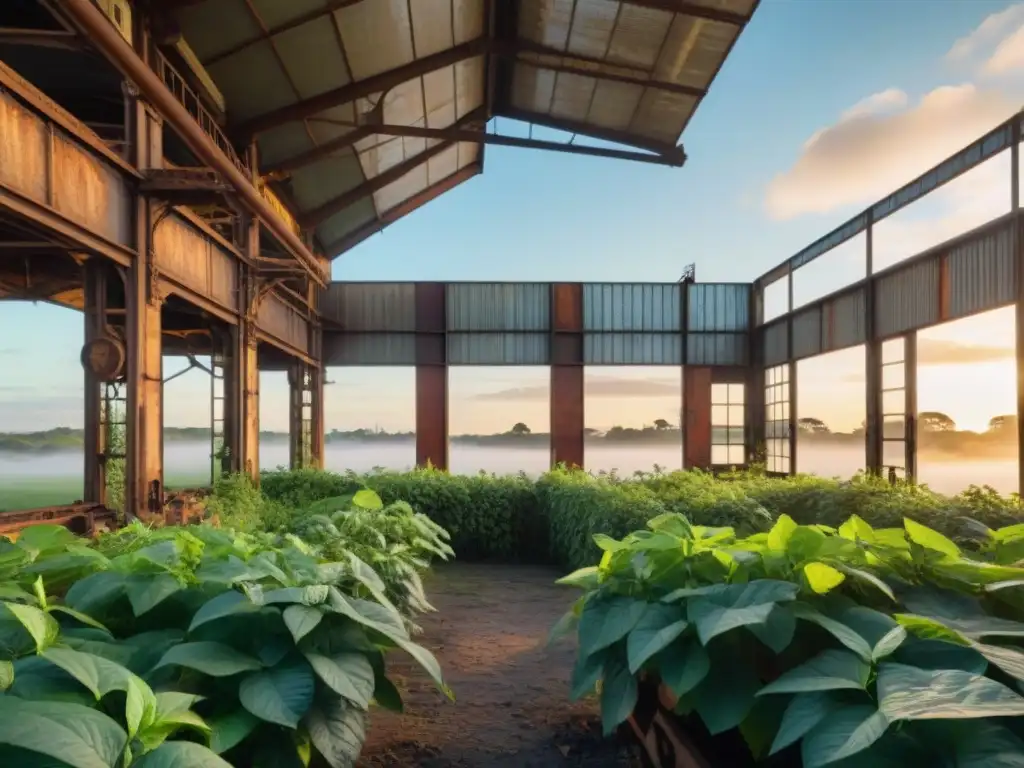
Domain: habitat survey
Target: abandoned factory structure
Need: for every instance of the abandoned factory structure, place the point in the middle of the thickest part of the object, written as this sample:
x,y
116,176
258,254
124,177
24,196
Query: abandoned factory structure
x,y
183,172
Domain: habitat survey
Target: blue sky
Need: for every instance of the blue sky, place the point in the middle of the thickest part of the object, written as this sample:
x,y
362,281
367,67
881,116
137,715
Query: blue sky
x,y
861,75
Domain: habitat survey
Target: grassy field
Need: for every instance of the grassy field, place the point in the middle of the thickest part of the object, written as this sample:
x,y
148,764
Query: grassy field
x,y
36,492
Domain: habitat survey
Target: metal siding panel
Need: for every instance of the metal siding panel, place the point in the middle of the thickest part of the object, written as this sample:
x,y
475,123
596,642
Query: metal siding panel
x,y
982,273
718,307
279,319
807,339
88,191
908,299
23,150
848,321
775,343
499,307
188,256
371,306
632,349
716,349
499,349
632,307
369,349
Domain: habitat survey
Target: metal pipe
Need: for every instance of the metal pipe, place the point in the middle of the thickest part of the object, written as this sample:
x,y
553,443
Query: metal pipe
x,y
91,21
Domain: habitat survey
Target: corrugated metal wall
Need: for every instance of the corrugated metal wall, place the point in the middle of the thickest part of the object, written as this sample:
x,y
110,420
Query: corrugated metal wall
x,y
717,349
499,307
776,343
807,332
718,307
907,299
632,349
848,321
370,306
370,349
499,348
632,307
982,273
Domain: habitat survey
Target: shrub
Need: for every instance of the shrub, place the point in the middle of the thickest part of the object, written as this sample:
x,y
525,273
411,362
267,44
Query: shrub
x,y
172,646
818,645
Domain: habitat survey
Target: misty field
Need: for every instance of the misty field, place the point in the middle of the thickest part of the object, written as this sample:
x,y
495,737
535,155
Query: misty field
x,y
55,478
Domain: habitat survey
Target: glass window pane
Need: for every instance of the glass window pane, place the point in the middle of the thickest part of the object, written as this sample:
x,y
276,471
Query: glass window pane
x,y
894,427
785,411
784,374
719,454
719,415
894,453
720,394
736,455
737,394
735,435
769,377
894,376
893,350
719,435
736,416
894,402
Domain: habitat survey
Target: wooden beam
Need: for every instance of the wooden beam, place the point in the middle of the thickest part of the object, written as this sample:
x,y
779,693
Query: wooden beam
x,y
586,129
696,10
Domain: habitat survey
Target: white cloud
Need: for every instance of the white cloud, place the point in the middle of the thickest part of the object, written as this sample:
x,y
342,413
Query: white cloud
x,y
993,29
1008,55
880,144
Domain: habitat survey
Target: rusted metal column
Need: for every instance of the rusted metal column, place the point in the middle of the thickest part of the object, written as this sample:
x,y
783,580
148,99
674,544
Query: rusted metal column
x,y
431,376
567,406
697,410
317,445
95,485
298,375
1018,244
872,368
755,391
910,405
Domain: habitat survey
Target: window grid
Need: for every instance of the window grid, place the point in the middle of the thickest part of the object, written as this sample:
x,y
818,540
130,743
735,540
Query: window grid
x,y
894,408
728,424
777,419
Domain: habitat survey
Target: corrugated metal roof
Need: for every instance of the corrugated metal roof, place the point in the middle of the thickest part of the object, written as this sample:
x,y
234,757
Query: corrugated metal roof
x,y
630,72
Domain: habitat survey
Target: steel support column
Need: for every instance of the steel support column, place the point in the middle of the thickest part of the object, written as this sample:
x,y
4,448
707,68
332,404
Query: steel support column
x,y
872,368
756,448
95,485
697,410
431,376
910,405
1018,244
317,445
567,400
300,415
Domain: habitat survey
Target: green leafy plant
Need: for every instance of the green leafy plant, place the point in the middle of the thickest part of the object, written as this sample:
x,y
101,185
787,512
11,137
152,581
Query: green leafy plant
x,y
190,647
818,645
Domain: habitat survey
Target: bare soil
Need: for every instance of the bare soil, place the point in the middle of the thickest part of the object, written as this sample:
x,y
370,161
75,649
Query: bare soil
x,y
512,709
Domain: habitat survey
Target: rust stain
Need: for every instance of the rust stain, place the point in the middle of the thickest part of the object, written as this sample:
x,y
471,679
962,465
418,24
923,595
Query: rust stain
x,y
567,306
432,416
23,139
697,407
567,415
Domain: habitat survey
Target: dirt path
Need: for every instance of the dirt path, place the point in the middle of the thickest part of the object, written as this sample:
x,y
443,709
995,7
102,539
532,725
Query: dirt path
x,y
512,709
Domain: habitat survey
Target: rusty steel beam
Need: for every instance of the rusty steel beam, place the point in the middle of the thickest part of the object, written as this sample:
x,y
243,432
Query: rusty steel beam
x,y
697,412
696,10
668,151
317,216
90,20
567,375
361,89
431,376
41,38
403,209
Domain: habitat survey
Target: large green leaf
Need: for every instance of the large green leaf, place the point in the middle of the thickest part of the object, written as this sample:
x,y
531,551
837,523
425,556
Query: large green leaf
x,y
96,592
804,711
929,539
586,671
822,578
586,578
181,754
939,654
302,619
683,665
281,695
909,693
726,694
347,674
338,730
213,659
971,743
230,603
365,498
227,731
659,625
712,619
146,592
606,620
842,733
828,671
881,631
777,632
43,628
79,736
6,675
619,692
1010,660
837,629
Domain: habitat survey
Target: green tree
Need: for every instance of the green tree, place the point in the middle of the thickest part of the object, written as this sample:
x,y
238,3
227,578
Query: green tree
x,y
661,425
935,421
1007,423
520,429
812,426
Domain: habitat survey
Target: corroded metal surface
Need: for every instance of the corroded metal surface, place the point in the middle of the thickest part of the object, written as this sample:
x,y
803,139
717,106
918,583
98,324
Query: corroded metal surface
x,y
81,518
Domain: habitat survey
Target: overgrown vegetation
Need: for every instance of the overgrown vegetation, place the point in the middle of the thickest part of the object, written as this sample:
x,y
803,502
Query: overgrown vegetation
x,y
848,646
202,646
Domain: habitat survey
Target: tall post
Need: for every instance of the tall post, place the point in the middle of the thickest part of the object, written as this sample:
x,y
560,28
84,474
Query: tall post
x,y
431,376
910,405
696,417
755,410
872,365
144,486
567,398
793,393
95,485
1018,245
